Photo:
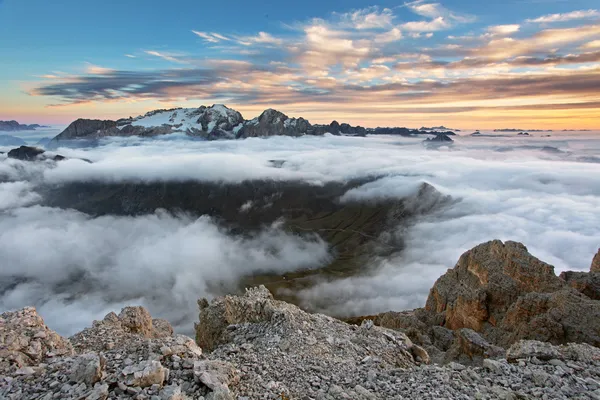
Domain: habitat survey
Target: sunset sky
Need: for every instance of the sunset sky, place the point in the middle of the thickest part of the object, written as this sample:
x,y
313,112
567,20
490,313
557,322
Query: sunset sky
x,y
462,63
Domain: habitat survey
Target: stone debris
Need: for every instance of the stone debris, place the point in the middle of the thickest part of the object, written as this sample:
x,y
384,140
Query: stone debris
x,y
259,348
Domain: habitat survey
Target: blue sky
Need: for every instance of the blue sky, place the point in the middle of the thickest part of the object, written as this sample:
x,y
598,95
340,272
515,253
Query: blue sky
x,y
63,59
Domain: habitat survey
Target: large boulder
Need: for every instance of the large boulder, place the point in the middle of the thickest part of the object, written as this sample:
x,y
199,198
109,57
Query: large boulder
x,y
587,283
501,290
26,341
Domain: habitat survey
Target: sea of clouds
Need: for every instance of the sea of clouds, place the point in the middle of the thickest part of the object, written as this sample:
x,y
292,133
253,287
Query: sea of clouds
x,y
542,191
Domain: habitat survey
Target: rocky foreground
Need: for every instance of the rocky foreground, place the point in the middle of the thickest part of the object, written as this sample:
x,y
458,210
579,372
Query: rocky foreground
x,y
474,339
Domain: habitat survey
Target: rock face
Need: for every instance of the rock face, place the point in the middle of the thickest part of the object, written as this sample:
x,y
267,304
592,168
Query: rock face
x,y
26,341
88,128
496,295
501,290
596,263
12,126
274,123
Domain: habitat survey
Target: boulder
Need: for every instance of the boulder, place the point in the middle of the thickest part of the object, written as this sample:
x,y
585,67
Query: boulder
x,y
587,283
136,320
87,368
145,373
26,341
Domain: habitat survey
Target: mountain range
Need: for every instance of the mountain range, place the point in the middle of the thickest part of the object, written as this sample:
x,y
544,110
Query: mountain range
x,y
13,126
216,122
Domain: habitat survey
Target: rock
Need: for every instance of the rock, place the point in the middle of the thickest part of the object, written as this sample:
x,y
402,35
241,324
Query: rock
x,y
161,328
99,392
137,320
587,283
87,368
274,123
494,366
145,373
172,392
215,374
596,263
256,306
25,153
532,348
85,128
439,138
26,341
474,347
500,290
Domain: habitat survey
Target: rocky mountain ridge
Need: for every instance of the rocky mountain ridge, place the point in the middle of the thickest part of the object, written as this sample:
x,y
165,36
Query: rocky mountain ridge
x,y
216,122
13,126
255,347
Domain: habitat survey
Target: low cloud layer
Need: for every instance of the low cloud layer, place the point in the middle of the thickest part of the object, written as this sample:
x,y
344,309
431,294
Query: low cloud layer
x,y
544,192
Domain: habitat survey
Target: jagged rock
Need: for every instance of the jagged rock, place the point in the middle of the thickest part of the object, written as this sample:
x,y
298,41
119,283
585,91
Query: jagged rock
x,y
88,128
25,340
117,330
136,320
87,368
271,123
439,138
506,293
587,283
596,263
145,373
219,122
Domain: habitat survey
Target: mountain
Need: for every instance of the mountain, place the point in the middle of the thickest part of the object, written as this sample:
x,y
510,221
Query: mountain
x,y
215,122
13,126
7,140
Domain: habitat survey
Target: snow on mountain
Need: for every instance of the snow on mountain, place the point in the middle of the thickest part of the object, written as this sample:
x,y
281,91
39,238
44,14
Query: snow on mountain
x,y
217,121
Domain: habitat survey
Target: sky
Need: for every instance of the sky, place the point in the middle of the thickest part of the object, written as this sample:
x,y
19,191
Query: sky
x,y
531,64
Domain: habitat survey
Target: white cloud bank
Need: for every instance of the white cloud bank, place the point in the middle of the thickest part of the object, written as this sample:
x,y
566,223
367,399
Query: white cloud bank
x,y
76,268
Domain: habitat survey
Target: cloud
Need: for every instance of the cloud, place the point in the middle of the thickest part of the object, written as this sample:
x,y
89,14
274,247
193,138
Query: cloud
x,y
165,56
503,30
369,18
85,266
570,16
594,44
211,37
130,56
440,17
261,38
